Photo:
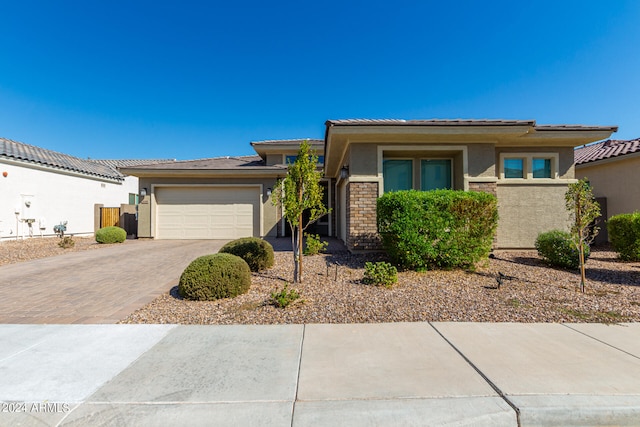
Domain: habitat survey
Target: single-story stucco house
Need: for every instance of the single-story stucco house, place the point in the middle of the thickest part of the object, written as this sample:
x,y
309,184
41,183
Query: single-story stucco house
x,y
40,188
613,169
526,165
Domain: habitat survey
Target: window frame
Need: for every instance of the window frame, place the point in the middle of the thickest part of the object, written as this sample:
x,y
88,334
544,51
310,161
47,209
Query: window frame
x,y
527,164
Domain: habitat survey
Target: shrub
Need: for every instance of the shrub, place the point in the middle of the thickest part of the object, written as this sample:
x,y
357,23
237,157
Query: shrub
x,y
111,235
380,273
256,252
624,233
67,242
440,228
556,248
284,297
313,244
216,276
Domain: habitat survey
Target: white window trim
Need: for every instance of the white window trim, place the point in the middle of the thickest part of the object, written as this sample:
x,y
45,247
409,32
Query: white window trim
x,y
527,160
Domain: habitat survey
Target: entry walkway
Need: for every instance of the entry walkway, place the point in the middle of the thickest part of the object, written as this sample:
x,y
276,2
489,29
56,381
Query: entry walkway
x,y
462,374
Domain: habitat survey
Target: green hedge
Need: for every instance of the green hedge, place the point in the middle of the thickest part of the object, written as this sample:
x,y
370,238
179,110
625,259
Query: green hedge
x,y
556,248
624,233
437,229
256,252
216,276
111,235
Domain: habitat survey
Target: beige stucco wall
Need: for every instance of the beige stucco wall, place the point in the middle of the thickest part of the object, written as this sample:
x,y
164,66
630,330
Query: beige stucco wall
x,y
146,212
617,180
525,210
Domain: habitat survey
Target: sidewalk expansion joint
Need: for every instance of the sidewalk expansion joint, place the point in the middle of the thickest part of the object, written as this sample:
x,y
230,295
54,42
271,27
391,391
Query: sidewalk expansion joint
x,y
295,395
491,383
600,341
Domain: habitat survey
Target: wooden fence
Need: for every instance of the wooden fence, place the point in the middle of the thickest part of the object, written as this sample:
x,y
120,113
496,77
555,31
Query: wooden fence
x,y
109,217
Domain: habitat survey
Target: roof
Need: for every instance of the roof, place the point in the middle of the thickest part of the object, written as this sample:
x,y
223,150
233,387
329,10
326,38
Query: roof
x,y
602,150
123,163
429,122
463,122
41,156
293,142
215,163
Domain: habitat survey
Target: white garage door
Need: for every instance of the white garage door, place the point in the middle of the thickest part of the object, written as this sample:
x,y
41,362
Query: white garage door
x,y
207,212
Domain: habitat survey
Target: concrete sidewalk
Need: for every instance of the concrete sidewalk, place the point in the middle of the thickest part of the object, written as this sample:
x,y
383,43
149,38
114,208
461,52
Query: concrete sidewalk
x,y
461,374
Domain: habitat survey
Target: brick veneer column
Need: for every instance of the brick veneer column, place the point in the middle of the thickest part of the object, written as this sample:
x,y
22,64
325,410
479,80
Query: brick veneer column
x,y
486,187
362,229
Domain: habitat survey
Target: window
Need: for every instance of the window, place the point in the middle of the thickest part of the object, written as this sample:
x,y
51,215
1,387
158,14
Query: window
x,y
398,175
435,174
513,168
528,166
133,199
541,167
292,159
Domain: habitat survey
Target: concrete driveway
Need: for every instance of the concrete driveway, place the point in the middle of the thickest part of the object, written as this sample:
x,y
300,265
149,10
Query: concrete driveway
x,y
95,286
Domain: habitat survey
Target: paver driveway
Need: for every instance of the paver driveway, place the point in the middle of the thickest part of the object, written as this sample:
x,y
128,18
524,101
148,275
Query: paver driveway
x,y
95,286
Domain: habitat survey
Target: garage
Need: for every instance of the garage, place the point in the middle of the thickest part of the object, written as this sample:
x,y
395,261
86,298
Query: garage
x,y
207,212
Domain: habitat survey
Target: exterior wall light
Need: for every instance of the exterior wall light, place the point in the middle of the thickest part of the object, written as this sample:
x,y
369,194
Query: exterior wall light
x,y
269,192
143,192
344,172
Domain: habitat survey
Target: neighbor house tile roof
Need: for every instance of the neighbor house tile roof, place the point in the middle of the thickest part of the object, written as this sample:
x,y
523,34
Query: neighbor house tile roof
x,y
124,163
19,151
605,150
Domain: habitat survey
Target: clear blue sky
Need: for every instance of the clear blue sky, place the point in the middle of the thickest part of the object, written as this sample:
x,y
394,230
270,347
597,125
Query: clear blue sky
x,y
192,79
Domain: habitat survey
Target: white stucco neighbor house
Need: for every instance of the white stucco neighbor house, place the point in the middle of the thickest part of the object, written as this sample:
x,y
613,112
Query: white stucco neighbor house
x,y
40,188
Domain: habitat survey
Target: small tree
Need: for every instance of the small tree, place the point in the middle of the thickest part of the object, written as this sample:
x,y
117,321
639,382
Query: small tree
x,y
583,210
300,191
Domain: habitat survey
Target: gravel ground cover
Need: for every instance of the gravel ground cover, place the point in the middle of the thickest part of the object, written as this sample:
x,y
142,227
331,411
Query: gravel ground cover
x,y
12,251
333,291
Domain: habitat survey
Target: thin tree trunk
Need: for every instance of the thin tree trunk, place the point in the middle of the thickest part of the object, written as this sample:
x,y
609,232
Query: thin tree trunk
x,y
583,276
294,246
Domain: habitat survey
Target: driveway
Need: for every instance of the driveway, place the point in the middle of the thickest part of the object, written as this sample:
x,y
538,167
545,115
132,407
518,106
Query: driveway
x,y
96,286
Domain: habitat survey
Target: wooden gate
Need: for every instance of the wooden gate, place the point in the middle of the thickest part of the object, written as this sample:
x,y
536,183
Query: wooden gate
x,y
109,217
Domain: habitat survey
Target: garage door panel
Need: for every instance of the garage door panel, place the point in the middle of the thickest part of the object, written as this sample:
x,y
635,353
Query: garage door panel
x,y
207,212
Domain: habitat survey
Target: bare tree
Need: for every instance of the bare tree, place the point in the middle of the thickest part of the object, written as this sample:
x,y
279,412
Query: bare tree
x,y
300,192
583,210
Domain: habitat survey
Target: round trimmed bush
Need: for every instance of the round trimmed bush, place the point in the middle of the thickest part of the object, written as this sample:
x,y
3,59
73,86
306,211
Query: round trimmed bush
x,y
111,235
557,249
624,233
216,276
256,252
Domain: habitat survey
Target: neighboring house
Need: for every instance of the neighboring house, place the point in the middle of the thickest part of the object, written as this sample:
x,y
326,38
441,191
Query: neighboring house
x,y
613,169
40,188
527,166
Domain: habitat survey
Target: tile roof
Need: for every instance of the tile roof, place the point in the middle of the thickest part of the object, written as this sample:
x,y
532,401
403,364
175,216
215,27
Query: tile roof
x,y
123,163
431,122
31,154
605,150
295,142
463,122
215,163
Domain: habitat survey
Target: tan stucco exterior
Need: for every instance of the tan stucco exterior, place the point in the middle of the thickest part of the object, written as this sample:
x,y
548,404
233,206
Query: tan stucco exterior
x,y
617,180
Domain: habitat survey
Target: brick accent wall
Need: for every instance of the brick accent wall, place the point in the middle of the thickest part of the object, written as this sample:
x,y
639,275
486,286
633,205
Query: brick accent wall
x,y
362,230
486,187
